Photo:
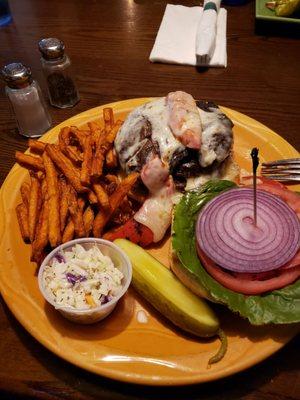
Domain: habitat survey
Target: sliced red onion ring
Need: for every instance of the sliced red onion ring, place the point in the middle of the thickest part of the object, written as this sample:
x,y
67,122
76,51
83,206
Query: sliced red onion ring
x,y
225,231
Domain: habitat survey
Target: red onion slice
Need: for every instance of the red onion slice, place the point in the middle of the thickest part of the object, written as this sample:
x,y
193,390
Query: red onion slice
x,y
225,231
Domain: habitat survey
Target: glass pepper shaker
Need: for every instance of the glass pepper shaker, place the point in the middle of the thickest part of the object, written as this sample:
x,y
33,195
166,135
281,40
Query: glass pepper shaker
x,y
26,99
57,70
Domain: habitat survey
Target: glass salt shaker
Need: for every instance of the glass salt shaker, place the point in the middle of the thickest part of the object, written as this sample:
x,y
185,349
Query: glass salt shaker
x,y
57,70
26,99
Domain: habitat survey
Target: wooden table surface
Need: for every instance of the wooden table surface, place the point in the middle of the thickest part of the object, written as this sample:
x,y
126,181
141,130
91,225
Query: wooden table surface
x,y
109,42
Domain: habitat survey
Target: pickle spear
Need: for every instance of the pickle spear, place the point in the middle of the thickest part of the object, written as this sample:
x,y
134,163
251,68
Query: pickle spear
x,y
284,8
158,285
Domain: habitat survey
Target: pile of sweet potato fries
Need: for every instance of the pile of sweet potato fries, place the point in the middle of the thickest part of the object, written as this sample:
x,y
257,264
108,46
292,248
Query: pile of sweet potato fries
x,y
74,189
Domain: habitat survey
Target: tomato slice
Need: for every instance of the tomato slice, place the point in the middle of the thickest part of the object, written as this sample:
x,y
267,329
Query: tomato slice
x,y
250,284
133,231
277,188
254,284
294,262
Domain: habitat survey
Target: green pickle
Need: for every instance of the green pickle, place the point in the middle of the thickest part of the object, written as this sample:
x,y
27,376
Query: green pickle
x,y
284,8
161,288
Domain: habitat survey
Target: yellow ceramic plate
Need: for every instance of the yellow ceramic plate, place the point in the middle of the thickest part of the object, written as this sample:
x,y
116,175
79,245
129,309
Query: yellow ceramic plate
x,y
121,347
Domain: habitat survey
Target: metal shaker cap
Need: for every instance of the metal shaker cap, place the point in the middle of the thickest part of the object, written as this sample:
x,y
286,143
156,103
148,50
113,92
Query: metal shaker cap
x,y
51,48
16,75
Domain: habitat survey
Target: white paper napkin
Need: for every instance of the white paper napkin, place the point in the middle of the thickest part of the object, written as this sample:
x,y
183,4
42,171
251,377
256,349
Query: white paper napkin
x,y
176,38
206,32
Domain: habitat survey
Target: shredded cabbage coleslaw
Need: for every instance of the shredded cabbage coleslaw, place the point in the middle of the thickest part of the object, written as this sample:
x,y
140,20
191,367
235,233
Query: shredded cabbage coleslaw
x,y
82,279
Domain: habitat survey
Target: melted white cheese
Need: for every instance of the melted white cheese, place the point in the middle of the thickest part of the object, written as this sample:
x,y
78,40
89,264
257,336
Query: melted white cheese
x,y
156,213
216,137
157,114
154,174
128,141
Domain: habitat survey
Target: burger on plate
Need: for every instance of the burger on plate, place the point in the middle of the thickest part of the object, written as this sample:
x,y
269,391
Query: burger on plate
x,y
176,143
221,253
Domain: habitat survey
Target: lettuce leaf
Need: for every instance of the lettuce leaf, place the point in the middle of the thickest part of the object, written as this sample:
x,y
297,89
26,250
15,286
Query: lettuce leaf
x,y
278,307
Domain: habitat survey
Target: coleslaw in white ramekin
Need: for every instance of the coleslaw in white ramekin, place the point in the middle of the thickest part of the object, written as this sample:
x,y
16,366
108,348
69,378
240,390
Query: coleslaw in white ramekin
x,y
81,279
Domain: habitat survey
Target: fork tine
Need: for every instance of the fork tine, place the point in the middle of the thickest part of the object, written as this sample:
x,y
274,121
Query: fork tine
x,y
282,171
286,170
282,167
284,178
288,161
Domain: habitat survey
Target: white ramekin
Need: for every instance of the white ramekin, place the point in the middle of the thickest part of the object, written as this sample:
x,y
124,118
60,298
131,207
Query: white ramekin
x,y
120,260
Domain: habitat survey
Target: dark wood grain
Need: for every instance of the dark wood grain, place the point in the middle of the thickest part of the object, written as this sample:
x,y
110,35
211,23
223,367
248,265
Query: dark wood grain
x,y
109,43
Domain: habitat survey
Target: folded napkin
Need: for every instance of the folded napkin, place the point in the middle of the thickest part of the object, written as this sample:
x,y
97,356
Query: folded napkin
x,y
176,38
206,32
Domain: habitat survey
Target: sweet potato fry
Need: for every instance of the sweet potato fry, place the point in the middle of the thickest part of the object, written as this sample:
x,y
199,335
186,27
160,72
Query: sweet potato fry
x,y
123,213
66,167
99,223
87,161
69,182
115,200
92,197
44,190
81,203
34,205
98,158
63,137
29,162
25,193
41,236
76,214
95,131
97,164
88,219
102,196
36,146
102,147
53,200
113,132
112,178
111,159
73,154
108,117
80,134
122,190
64,189
68,232
111,183
22,215
64,141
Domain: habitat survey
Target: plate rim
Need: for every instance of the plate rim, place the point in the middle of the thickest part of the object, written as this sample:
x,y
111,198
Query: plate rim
x,y
85,116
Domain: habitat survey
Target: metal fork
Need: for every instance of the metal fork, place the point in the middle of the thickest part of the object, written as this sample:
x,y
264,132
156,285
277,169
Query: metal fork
x,y
282,170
